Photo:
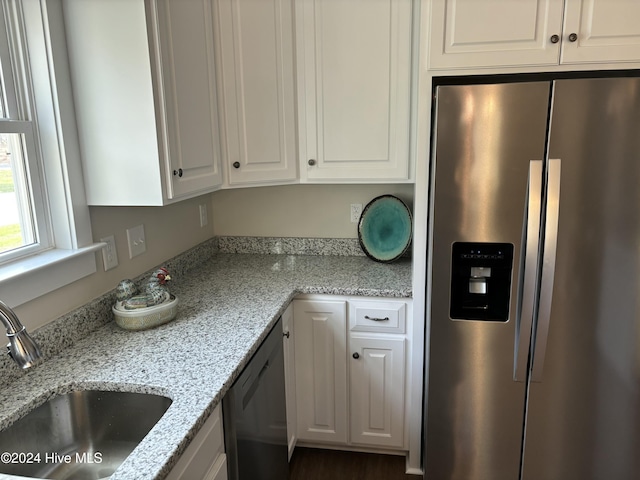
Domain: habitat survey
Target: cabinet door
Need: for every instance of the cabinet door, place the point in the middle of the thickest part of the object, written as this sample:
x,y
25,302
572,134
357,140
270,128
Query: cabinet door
x,y
205,456
187,104
605,31
218,471
354,75
321,370
255,52
377,378
289,376
469,33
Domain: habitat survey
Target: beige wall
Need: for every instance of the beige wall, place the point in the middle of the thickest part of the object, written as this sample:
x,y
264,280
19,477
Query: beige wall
x,y
169,231
320,211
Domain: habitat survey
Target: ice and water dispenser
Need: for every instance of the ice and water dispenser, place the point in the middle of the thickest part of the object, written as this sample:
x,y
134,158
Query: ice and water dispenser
x,y
481,281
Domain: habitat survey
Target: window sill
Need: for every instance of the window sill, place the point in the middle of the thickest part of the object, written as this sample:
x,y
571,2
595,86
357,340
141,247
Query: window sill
x,y
32,277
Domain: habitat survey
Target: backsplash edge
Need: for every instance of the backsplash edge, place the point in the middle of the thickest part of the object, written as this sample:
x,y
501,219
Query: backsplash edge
x,y
290,246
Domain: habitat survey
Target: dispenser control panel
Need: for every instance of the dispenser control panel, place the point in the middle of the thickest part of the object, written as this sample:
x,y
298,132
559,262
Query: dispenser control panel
x,y
481,281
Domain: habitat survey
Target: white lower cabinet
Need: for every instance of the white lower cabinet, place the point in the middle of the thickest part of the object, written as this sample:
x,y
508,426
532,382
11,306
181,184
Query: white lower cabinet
x,y
351,387
289,377
204,458
321,370
377,390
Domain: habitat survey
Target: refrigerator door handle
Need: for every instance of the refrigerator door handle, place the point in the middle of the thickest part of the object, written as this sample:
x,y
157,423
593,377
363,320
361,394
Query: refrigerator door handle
x,y
548,269
529,265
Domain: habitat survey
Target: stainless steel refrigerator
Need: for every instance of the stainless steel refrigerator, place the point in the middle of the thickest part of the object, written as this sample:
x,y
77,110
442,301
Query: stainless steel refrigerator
x,y
534,282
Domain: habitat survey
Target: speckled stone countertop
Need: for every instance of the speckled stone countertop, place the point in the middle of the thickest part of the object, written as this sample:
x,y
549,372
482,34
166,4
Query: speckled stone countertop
x,y
227,306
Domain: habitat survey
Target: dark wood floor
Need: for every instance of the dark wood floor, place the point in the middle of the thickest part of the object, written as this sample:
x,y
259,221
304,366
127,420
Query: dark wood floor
x,y
317,464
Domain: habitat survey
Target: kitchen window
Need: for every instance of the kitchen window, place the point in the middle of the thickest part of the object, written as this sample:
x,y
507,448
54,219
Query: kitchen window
x,y
44,220
23,215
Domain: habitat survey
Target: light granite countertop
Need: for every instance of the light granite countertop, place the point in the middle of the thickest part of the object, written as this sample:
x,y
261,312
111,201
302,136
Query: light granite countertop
x,y
228,304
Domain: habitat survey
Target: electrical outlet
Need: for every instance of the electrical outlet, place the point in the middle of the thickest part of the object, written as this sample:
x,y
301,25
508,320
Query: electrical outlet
x,y
204,219
356,211
136,240
109,253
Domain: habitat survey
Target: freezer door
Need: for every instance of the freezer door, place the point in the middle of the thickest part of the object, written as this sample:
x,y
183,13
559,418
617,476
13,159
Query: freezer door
x,y
583,419
485,139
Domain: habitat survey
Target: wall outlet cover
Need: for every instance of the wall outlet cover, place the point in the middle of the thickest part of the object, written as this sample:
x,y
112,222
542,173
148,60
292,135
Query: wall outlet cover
x,y
356,211
109,253
204,218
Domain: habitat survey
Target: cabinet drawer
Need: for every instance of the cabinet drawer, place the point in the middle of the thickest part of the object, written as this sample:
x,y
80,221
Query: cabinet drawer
x,y
388,317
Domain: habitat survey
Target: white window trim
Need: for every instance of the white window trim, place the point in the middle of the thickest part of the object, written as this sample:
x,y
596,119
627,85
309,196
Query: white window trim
x,y
73,256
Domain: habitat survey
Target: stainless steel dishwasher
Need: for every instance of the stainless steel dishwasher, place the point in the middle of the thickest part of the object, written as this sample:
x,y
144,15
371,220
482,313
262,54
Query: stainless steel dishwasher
x,y
255,418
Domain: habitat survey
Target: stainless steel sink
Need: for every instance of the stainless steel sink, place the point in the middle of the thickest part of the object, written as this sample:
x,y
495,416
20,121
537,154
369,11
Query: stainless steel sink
x,y
81,435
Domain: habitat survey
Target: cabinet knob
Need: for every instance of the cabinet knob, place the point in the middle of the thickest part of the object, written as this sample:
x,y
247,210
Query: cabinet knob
x,y
236,164
555,38
573,37
356,355
178,172
311,162
286,334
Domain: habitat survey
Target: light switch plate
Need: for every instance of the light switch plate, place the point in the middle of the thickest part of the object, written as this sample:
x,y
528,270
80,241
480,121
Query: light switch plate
x,y
136,240
109,253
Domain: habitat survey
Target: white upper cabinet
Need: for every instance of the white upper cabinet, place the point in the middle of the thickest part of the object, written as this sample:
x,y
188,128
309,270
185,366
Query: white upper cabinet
x,y
605,31
470,33
257,90
143,76
354,79
183,34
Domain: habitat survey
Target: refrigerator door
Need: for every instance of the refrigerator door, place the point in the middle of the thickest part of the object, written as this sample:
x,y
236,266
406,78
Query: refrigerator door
x,y
485,139
583,418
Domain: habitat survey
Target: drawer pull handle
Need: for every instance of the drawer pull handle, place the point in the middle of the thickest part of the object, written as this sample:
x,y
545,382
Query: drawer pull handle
x,y
375,319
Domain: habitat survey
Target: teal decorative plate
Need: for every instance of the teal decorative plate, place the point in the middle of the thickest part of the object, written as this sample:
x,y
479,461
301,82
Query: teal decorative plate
x,y
385,229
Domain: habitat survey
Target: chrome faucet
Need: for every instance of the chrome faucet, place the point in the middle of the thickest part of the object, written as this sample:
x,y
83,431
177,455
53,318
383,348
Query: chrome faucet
x,y
22,348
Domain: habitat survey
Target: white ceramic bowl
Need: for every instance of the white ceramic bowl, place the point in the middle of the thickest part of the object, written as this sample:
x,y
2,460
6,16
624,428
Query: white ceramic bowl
x,y
149,317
